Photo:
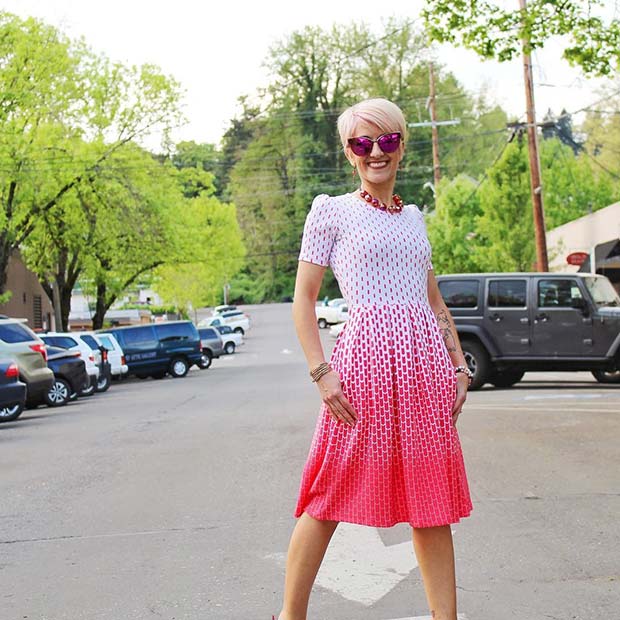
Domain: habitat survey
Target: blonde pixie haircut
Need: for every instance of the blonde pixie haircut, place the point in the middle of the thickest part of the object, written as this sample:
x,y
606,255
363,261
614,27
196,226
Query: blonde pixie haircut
x,y
387,116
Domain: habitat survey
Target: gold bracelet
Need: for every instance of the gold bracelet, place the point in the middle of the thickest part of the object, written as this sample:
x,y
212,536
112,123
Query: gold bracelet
x,y
322,369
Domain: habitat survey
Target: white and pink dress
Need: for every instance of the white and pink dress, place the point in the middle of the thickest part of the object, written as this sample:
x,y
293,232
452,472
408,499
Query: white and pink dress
x,y
402,462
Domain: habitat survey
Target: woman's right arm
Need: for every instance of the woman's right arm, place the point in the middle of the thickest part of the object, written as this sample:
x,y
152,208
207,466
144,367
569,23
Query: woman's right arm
x,y
307,286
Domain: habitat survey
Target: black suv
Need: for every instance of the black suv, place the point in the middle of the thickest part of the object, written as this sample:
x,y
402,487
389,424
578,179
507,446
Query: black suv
x,y
159,349
509,323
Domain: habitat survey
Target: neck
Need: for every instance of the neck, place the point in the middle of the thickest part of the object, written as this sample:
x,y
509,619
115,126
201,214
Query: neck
x,y
382,192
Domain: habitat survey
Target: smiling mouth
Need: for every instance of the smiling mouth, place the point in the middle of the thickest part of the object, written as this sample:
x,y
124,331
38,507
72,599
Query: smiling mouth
x,y
377,165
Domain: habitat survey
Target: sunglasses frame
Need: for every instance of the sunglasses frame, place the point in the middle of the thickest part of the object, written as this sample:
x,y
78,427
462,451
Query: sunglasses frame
x,y
367,152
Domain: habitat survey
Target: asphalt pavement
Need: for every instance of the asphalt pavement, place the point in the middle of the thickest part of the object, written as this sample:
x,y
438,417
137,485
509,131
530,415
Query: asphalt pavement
x,y
173,499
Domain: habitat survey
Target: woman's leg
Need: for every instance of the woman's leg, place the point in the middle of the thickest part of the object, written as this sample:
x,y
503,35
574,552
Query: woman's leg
x,y
435,553
306,549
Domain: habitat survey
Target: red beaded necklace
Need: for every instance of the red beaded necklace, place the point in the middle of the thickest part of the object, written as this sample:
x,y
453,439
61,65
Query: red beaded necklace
x,y
397,207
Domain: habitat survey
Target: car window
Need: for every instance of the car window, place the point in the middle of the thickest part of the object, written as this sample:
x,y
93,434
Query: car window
x,y
507,294
66,342
228,315
15,332
225,329
558,293
460,293
139,335
174,331
215,322
207,333
107,342
90,341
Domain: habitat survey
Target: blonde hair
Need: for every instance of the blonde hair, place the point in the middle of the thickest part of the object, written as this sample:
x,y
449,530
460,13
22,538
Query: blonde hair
x,y
387,116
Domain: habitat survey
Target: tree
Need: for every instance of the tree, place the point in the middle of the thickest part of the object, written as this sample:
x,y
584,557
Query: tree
x,y
495,32
505,229
64,112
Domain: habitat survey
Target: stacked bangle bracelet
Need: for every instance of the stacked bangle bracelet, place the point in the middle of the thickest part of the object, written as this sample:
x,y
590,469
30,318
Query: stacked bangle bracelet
x,y
322,369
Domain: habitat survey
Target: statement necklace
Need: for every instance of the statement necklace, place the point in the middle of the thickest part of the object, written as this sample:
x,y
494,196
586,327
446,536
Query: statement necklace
x,y
397,207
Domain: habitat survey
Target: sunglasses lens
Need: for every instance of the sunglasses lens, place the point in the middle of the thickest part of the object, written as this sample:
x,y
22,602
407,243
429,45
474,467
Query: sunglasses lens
x,y
389,142
361,146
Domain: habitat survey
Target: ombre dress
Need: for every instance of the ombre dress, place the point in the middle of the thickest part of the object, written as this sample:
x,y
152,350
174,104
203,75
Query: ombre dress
x,y
402,462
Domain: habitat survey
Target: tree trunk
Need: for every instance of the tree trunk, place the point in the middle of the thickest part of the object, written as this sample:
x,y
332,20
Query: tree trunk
x,y
5,256
101,307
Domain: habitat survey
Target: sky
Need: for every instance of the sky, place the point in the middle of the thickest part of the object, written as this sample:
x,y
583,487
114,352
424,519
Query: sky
x,y
216,50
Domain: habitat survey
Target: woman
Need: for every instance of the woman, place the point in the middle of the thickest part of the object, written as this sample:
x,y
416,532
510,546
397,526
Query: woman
x,y
385,449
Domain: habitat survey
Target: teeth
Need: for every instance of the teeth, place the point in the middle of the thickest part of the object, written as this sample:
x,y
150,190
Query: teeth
x,y
377,164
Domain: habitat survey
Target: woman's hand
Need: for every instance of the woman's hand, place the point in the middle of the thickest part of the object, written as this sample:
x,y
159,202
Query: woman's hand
x,y
337,404
462,383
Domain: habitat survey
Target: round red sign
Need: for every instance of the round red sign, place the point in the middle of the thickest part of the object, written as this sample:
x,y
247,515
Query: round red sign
x,y
577,258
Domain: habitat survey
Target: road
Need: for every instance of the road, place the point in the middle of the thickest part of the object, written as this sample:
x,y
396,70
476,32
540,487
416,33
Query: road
x,y
173,499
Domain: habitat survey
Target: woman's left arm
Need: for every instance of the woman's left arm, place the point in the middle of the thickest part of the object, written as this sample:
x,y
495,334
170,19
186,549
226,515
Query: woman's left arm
x,y
451,340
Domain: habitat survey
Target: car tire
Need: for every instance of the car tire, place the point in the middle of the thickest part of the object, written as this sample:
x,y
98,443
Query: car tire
x,y
11,412
607,376
89,390
229,348
239,330
205,360
59,394
507,378
477,360
178,367
103,383
322,323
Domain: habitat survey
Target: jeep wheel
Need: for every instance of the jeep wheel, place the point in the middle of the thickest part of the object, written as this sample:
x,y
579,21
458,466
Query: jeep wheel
x,y
239,330
178,367
229,348
103,382
477,360
507,378
607,376
322,323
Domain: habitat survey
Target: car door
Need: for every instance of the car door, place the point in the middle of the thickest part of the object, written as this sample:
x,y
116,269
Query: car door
x,y
141,348
559,327
506,318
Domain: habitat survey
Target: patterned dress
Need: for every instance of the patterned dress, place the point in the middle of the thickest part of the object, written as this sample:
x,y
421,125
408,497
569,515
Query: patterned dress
x,y
402,462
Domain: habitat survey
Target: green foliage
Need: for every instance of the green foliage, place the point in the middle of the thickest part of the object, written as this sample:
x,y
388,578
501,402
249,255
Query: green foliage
x,y
453,226
495,32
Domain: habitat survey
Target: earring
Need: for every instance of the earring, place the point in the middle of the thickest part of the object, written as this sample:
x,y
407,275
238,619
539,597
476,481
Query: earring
x,y
354,171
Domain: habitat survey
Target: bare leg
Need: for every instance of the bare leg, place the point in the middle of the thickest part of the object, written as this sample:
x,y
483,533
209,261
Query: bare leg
x,y
435,553
306,549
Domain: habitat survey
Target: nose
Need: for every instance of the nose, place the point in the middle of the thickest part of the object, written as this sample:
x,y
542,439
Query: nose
x,y
376,150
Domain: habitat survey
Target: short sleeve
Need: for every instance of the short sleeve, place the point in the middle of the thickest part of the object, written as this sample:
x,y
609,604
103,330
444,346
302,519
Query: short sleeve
x,y
320,230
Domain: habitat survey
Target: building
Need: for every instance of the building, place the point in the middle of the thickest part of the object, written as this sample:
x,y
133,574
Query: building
x,y
28,300
595,234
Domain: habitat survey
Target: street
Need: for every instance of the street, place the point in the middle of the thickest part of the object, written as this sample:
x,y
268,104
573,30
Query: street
x,y
173,499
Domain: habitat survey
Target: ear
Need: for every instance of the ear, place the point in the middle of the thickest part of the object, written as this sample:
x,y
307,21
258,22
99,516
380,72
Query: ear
x,y
350,156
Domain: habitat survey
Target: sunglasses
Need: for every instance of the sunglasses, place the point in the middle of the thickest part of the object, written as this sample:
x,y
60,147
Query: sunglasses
x,y
388,143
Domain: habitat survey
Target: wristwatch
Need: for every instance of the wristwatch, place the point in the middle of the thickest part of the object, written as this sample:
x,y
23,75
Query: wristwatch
x,y
465,371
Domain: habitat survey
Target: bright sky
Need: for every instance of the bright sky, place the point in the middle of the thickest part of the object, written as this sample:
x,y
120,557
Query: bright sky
x,y
216,49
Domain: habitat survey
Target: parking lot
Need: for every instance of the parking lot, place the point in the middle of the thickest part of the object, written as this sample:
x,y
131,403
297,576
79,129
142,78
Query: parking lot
x,y
174,498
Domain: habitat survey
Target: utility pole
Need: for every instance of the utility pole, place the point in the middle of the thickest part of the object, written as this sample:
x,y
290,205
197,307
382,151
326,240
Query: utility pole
x,y
434,124
542,262
435,133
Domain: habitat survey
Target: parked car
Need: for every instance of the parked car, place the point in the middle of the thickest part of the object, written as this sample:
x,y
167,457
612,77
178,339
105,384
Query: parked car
x,y
70,376
159,349
20,343
12,391
328,315
221,309
231,338
101,358
70,342
336,329
212,345
238,321
509,323
116,356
